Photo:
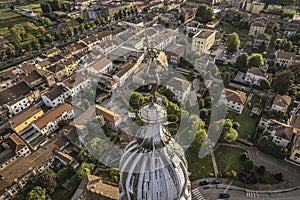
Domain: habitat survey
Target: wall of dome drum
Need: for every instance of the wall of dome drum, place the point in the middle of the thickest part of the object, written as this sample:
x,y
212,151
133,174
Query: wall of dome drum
x,y
153,166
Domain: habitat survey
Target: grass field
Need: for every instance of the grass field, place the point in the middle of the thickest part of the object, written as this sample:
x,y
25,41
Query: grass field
x,y
10,18
248,124
228,158
199,168
229,28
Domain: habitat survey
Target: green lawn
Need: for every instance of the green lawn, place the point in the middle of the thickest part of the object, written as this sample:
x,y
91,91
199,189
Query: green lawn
x,y
228,158
247,124
229,28
199,168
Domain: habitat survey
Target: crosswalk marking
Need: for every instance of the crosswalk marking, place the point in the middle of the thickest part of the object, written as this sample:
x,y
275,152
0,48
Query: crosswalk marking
x,y
197,194
252,194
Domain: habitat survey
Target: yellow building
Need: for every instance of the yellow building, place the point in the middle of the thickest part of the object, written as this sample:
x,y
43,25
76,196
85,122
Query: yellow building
x,y
203,40
25,118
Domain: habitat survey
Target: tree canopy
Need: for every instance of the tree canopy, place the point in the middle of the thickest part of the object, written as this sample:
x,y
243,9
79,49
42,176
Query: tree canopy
x,y
283,81
233,42
205,13
255,60
37,193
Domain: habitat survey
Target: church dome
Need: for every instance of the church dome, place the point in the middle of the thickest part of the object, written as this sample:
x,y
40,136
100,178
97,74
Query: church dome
x,y
153,165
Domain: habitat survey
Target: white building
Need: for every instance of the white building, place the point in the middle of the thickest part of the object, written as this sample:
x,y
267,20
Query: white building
x,y
235,100
57,95
18,97
203,40
285,59
254,75
49,122
257,28
181,88
103,66
281,103
280,133
75,84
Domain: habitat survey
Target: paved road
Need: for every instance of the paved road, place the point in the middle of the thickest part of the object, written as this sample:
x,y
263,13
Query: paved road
x,y
290,172
236,193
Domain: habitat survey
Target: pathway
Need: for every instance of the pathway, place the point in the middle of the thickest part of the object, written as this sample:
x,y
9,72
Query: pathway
x,y
215,166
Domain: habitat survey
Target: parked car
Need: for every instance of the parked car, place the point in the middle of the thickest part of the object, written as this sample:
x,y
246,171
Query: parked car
x,y
224,196
204,182
215,182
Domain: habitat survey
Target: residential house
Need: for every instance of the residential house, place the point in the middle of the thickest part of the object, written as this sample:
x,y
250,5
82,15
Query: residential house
x,y
94,187
66,159
103,66
181,88
14,147
259,41
291,28
58,71
70,132
169,20
75,84
136,43
279,133
33,137
127,69
112,119
175,53
57,95
254,75
235,100
51,120
284,59
254,7
18,97
33,78
281,103
9,77
107,46
257,28
203,61
15,178
203,40
22,120
163,40
52,52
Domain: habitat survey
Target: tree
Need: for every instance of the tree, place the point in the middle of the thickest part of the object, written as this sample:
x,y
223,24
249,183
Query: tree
x,y
101,120
15,35
261,170
47,181
287,45
46,21
236,125
201,103
283,81
205,13
204,114
233,42
244,157
255,60
226,78
249,164
37,193
264,84
279,177
136,100
228,134
241,62
46,8
85,156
